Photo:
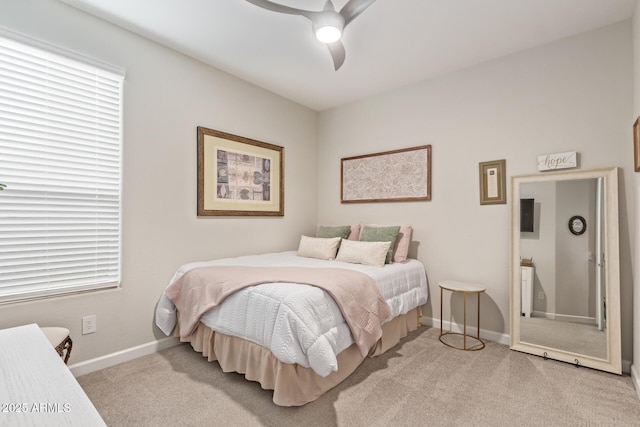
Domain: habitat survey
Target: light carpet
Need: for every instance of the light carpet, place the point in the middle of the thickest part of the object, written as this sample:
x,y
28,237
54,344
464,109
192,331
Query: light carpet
x,y
573,337
418,382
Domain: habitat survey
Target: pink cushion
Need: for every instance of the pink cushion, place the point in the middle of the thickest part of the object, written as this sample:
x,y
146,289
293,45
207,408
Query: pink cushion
x,y
355,232
401,249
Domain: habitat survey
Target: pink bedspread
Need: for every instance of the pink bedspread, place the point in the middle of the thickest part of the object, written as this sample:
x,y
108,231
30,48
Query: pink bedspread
x,y
357,294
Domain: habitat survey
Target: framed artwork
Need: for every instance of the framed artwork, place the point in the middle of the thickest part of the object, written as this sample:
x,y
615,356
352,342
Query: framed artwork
x,y
390,176
238,176
493,188
636,146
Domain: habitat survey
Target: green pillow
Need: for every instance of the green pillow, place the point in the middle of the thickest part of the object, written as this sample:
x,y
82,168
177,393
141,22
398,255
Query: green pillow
x,y
381,234
327,232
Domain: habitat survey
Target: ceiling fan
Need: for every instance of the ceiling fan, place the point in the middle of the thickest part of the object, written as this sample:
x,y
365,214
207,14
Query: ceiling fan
x,y
327,24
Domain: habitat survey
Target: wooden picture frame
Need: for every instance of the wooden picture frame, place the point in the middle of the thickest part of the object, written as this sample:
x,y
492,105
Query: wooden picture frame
x,y
390,176
493,183
636,146
239,176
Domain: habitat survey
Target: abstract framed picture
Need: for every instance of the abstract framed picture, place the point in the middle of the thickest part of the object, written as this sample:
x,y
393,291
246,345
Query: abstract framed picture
x,y
239,176
493,187
390,176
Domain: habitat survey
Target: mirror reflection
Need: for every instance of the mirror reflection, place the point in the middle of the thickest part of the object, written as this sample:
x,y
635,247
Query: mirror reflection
x,y
565,267
563,296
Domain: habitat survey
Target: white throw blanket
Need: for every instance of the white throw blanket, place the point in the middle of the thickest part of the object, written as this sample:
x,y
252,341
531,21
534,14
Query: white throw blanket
x,y
299,324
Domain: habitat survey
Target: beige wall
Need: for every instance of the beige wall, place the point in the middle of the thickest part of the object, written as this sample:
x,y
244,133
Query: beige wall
x,y
572,95
634,185
166,95
575,268
541,243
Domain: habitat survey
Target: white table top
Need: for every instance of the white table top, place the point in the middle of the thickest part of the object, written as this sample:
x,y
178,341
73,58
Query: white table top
x,y
455,286
36,387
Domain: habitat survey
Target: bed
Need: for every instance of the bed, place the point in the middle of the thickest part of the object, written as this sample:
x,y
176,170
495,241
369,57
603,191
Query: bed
x,y
285,331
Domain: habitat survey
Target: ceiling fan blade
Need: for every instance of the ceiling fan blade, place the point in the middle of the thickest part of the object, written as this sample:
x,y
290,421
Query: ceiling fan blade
x,y
353,8
337,53
275,7
328,5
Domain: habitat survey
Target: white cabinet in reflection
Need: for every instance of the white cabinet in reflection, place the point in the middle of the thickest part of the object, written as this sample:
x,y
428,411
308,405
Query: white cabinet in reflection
x,y
526,274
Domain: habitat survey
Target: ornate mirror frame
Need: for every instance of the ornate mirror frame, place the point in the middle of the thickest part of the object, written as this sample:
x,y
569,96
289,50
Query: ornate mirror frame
x,y
613,361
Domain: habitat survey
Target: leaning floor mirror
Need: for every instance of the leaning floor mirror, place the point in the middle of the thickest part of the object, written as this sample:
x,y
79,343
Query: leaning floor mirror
x,y
565,270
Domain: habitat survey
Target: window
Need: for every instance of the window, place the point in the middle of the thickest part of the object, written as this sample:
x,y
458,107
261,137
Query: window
x,y
60,150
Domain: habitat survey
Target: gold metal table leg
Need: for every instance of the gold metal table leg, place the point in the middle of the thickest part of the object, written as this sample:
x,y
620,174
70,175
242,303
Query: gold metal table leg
x,y
464,327
478,315
441,290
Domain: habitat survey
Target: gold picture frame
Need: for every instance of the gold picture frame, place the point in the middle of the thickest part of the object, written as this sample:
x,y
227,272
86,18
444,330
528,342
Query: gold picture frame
x,y
493,182
390,176
636,146
238,176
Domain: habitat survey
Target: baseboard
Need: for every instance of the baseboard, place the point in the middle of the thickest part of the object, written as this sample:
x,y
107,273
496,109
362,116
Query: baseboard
x,y
118,357
505,339
484,334
93,365
576,319
544,314
565,317
635,377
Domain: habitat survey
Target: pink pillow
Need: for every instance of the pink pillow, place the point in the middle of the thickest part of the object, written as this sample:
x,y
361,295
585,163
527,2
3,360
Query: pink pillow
x,y
355,232
401,249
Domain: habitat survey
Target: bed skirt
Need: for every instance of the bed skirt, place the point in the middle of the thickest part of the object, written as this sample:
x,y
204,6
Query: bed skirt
x,y
292,385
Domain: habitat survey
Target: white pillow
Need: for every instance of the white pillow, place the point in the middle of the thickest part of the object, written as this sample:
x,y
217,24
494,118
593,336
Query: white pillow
x,y
317,247
368,253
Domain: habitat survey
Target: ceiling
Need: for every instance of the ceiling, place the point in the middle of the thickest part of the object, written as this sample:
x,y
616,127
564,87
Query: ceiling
x,y
392,44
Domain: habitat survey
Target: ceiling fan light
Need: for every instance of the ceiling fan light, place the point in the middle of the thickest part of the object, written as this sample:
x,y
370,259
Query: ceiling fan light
x,y
328,34
328,26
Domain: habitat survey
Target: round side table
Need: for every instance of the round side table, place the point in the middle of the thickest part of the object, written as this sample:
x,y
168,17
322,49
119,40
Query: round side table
x,y
464,288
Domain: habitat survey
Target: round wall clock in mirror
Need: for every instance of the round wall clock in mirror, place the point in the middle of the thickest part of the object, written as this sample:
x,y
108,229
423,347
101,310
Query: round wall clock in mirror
x,y
577,225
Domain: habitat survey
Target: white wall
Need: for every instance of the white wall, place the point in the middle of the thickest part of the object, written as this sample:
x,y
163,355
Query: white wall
x,y
166,95
572,95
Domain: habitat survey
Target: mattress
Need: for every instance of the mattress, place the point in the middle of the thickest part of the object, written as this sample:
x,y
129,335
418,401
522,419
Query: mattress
x,y
300,324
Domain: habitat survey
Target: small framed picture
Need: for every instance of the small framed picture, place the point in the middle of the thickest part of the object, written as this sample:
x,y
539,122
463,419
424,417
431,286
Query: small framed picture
x,y
493,181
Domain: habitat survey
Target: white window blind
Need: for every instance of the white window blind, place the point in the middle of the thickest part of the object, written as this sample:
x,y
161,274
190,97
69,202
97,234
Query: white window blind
x,y
60,158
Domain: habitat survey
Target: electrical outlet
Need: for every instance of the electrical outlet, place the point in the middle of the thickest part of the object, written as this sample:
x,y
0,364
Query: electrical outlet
x,y
89,324
540,294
